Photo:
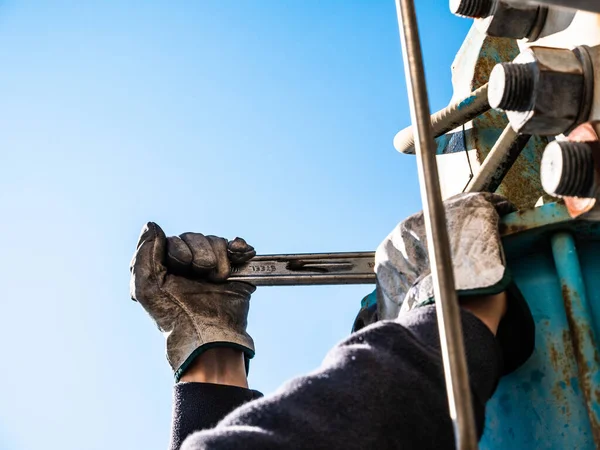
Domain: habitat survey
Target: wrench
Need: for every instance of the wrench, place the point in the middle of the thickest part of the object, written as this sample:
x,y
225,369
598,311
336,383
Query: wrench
x,y
307,269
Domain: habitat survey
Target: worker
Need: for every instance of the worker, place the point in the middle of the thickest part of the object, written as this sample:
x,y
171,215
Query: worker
x,y
382,387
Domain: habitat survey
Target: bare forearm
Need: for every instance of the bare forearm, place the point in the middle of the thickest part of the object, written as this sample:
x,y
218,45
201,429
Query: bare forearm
x,y
489,309
218,366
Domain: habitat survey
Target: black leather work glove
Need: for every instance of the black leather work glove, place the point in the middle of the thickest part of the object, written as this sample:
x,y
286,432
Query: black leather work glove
x,y
181,283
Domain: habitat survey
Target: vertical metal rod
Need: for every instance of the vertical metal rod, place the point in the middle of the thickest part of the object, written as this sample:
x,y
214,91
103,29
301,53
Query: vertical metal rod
x,y
448,311
581,326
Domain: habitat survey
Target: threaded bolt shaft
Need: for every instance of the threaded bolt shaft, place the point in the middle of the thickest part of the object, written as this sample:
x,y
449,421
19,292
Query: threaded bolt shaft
x,y
568,169
512,86
475,9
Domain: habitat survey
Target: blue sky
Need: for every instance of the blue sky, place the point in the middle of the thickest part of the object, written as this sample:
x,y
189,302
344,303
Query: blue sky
x,y
271,120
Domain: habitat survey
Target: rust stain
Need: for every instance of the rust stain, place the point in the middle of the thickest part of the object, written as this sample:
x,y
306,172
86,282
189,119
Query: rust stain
x,y
596,353
561,358
506,229
554,357
575,339
483,69
575,331
494,50
524,222
559,394
523,191
521,184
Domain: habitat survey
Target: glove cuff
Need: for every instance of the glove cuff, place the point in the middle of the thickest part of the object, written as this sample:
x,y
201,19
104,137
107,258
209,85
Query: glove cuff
x,y
248,355
421,293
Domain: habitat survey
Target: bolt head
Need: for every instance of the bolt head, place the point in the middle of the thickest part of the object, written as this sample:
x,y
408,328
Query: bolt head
x,y
552,168
556,95
510,20
511,86
567,169
474,9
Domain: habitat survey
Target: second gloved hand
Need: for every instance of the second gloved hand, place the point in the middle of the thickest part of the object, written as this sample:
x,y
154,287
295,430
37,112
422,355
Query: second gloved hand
x,y
404,275
181,283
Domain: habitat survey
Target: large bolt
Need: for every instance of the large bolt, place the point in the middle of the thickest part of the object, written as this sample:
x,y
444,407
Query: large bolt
x,y
543,91
503,19
513,86
476,9
567,169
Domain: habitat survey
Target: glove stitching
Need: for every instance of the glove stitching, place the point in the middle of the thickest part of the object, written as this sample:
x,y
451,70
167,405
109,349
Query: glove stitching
x,y
177,259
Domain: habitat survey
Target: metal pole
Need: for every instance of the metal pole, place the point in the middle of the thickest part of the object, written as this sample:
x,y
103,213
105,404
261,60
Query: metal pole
x,y
448,311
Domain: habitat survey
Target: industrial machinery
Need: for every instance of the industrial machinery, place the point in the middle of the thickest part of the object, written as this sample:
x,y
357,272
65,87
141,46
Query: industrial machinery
x,y
524,122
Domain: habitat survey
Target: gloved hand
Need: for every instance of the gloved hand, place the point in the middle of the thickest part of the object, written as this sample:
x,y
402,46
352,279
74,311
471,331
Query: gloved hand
x,y
404,277
181,283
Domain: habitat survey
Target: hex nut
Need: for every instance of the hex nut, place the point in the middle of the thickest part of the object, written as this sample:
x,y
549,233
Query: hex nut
x,y
550,81
510,20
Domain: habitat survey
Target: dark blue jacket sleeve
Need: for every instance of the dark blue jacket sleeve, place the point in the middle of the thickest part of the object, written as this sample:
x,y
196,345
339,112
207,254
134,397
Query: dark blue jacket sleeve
x,y
200,406
383,387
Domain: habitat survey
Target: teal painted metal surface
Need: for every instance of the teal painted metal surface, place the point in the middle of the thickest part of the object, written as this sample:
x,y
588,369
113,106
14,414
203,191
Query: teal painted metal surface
x,y
580,318
369,300
551,402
